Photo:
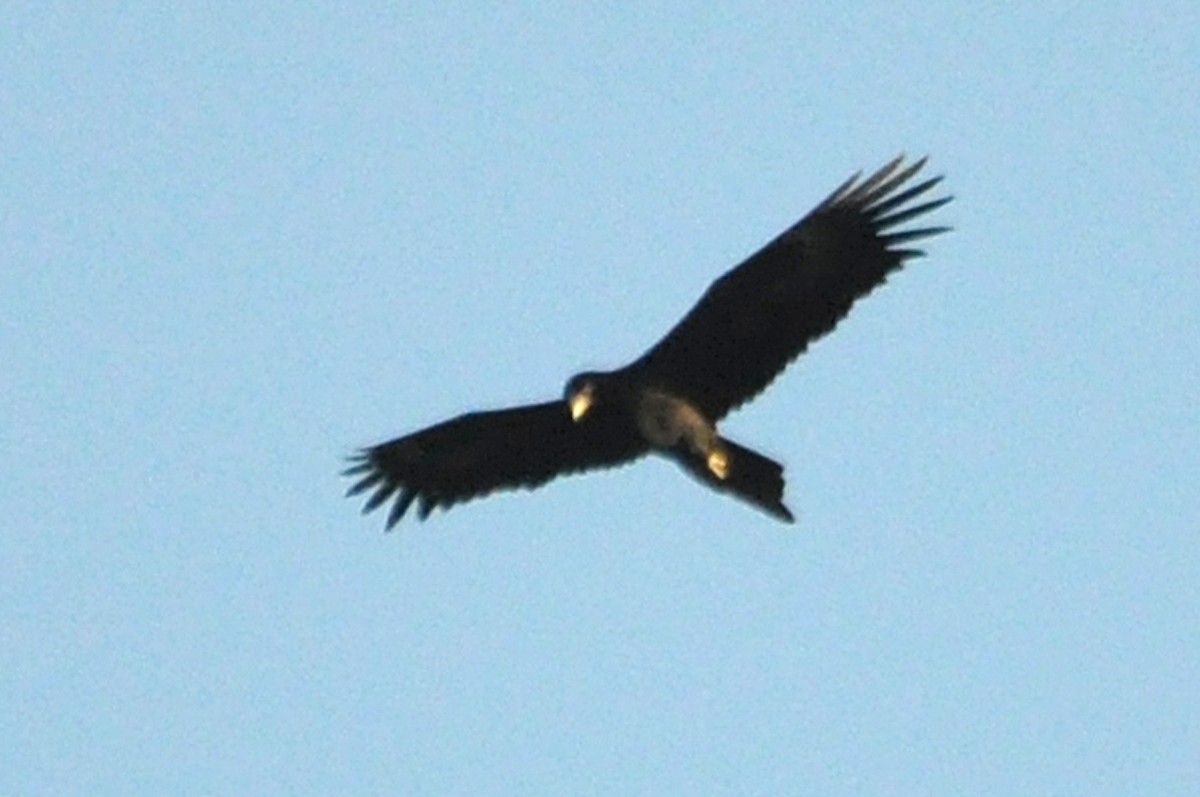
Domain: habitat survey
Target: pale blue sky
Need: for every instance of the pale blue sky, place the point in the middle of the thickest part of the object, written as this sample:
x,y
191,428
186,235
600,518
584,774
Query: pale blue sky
x,y
237,242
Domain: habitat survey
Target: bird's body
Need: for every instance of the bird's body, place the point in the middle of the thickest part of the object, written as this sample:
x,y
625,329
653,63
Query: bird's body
x,y
744,331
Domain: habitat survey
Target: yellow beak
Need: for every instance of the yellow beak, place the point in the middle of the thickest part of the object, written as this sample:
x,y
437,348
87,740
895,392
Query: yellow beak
x,y
581,402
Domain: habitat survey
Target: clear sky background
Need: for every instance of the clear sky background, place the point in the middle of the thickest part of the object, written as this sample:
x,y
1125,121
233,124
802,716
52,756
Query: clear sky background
x,y
237,241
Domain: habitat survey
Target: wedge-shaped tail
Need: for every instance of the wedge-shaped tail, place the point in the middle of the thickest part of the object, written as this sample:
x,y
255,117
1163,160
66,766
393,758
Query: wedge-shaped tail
x,y
745,474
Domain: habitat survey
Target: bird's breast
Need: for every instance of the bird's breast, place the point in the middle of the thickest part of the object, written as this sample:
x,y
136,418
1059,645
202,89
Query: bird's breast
x,y
664,420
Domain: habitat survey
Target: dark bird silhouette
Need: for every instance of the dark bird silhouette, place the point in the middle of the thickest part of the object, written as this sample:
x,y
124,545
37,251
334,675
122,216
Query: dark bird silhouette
x,y
743,332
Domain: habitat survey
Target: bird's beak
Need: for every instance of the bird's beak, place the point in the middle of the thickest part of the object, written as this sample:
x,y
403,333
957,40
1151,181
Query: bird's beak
x,y
580,403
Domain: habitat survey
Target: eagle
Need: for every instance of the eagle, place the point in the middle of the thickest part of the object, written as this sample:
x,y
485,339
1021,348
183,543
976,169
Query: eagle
x,y
747,327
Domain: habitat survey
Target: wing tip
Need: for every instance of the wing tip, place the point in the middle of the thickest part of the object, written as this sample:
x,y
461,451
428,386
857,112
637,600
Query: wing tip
x,y
876,188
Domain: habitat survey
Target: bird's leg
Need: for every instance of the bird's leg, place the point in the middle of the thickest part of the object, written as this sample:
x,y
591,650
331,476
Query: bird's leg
x,y
668,422
718,462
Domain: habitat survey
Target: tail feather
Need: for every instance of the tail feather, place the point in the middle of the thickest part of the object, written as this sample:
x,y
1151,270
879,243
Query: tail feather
x,y
748,475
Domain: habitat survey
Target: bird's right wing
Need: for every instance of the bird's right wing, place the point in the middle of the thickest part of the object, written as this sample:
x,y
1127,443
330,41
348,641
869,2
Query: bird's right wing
x,y
762,314
478,453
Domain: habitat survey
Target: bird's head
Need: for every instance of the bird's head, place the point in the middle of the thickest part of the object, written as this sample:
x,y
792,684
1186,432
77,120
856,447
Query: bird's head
x,y
582,394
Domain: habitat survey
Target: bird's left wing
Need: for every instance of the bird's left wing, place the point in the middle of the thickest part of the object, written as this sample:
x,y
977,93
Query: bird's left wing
x,y
478,453
761,315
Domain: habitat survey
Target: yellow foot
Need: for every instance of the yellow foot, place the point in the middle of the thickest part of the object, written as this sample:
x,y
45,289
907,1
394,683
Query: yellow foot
x,y
718,463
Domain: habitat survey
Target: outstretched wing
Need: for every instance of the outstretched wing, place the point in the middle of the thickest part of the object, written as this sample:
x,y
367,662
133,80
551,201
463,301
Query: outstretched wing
x,y
481,452
760,316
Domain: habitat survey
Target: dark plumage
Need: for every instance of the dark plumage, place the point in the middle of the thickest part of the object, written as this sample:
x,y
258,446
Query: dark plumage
x,y
742,333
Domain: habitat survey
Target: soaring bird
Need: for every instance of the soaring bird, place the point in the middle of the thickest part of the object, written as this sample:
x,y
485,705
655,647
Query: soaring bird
x,y
747,327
